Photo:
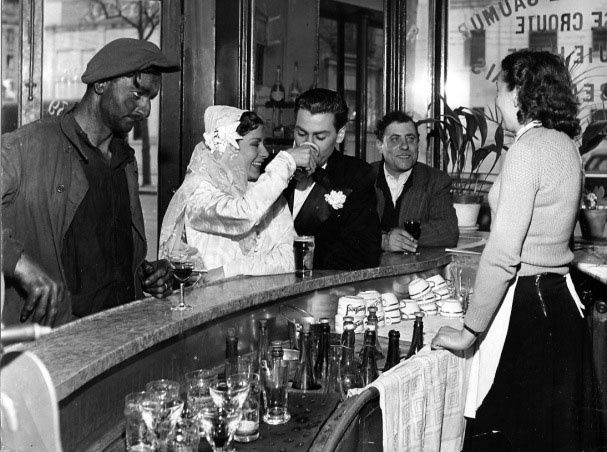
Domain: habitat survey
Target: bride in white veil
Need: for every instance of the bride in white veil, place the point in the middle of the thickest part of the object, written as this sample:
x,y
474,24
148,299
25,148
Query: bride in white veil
x,y
227,217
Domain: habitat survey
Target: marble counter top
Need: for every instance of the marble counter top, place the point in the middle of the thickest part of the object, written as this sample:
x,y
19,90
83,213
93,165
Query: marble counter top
x,y
78,352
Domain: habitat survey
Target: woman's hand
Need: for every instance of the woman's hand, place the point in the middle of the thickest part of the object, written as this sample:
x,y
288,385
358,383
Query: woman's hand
x,y
452,339
306,157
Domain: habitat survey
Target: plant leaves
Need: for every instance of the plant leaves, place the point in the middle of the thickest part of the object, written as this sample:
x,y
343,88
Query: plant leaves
x,y
595,133
480,155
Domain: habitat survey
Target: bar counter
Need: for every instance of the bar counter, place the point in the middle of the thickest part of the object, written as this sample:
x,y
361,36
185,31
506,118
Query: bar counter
x,y
95,361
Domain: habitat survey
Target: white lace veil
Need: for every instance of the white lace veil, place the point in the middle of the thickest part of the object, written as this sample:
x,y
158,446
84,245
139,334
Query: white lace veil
x,y
215,160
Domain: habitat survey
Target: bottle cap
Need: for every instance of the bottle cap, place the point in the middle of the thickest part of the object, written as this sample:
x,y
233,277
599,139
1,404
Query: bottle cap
x,y
276,344
324,320
231,332
306,327
394,333
263,323
348,318
419,316
372,309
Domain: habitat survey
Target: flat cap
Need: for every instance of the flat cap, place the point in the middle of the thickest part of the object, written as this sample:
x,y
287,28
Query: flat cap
x,y
124,56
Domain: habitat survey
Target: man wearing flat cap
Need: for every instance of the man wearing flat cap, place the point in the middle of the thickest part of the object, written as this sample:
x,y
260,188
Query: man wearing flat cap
x,y
73,239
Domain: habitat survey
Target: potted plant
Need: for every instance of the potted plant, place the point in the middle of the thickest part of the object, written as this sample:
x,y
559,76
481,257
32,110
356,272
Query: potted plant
x,y
593,214
462,133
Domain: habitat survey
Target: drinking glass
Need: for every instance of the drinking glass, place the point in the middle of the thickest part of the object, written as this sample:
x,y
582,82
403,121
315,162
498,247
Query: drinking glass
x,y
240,364
182,270
168,411
139,434
248,429
413,227
230,391
303,249
198,394
219,422
275,385
219,426
185,437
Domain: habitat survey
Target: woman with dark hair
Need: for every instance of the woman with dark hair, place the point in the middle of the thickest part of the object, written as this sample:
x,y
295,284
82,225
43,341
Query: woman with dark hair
x,y
227,216
526,377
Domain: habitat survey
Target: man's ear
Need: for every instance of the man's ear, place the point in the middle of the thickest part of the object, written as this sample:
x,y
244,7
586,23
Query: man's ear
x,y
341,134
99,87
379,145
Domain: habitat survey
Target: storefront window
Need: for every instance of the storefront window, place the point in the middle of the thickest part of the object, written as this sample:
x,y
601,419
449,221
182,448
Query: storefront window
x,y
483,32
11,51
73,31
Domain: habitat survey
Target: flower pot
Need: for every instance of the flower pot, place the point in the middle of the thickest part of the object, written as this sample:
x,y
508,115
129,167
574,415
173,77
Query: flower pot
x,y
592,223
467,208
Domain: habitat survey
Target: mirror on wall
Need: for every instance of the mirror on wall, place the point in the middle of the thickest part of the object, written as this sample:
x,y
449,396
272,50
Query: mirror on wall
x,y
285,52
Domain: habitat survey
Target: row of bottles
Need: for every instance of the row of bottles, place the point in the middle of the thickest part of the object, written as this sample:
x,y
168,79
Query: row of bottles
x,y
278,93
335,368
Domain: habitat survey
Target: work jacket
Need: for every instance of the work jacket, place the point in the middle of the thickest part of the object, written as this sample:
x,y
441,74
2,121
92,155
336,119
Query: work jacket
x,y
43,184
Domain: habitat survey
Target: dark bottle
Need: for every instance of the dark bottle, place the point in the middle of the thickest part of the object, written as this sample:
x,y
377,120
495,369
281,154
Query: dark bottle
x,y
372,318
231,364
277,93
348,369
322,358
304,375
262,345
393,350
417,342
369,365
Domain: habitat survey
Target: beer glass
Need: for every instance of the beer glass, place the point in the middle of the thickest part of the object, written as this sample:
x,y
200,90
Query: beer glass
x,y
139,434
275,385
303,248
248,429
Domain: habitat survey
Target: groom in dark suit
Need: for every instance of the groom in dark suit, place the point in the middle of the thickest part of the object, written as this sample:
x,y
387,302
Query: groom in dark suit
x,y
408,190
336,204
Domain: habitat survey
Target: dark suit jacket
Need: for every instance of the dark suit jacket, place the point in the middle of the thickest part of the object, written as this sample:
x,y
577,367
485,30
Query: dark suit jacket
x,y
426,197
347,238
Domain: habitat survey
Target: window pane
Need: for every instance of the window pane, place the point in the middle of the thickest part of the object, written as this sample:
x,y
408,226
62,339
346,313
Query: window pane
x,y
510,25
11,54
375,87
74,30
418,70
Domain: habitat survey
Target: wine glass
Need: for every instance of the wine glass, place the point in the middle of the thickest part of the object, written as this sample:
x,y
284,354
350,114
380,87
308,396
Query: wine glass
x,y
182,270
220,421
165,409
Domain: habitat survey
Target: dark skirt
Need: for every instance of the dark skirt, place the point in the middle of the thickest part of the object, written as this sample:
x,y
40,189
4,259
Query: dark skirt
x,y
537,399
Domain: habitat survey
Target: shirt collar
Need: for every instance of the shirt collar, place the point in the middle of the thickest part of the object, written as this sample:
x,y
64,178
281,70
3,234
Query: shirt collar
x,y
525,128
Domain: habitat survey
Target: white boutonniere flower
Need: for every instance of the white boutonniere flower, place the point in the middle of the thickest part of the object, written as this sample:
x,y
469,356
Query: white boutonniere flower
x,y
336,199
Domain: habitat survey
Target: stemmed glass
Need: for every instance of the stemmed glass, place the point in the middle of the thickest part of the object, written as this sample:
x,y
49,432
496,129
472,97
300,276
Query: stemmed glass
x,y
220,421
182,270
165,407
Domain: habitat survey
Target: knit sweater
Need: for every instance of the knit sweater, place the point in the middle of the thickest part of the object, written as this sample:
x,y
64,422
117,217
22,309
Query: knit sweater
x,y
534,202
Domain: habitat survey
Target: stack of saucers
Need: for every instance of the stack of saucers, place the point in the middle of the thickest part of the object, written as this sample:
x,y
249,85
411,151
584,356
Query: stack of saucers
x,y
420,291
408,309
373,298
354,306
391,308
439,287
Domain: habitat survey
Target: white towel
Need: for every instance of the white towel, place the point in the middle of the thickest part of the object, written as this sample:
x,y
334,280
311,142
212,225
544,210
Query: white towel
x,y
422,403
487,355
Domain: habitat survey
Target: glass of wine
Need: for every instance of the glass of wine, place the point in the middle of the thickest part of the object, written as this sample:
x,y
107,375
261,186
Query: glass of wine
x,y
182,270
413,227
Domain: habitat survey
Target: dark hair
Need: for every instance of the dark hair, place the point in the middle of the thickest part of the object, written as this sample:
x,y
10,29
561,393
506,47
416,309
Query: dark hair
x,y
320,100
545,90
393,116
249,121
